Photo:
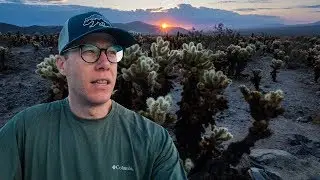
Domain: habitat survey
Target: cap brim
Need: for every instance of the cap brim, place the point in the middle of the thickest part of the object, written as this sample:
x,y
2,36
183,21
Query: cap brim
x,y
123,38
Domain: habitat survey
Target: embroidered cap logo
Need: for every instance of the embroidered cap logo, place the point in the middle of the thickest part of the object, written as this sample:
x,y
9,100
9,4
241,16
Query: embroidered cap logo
x,y
96,19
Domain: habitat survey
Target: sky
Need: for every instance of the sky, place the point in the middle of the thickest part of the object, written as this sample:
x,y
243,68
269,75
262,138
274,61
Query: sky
x,y
292,11
289,11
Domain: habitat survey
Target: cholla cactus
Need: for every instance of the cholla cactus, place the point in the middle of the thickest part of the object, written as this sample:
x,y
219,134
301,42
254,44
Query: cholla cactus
x,y
251,48
213,80
3,53
195,58
317,47
220,61
275,44
160,110
297,57
256,78
131,55
316,68
279,54
313,54
48,70
145,67
214,136
162,54
259,45
160,48
137,83
238,58
242,44
275,64
263,107
36,46
188,165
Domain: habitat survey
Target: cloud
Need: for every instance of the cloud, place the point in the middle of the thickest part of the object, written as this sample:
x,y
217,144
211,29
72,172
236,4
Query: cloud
x,y
259,1
227,2
183,14
155,9
310,6
34,1
245,9
256,9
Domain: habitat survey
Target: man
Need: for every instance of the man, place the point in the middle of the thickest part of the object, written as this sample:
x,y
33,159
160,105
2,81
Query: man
x,y
87,135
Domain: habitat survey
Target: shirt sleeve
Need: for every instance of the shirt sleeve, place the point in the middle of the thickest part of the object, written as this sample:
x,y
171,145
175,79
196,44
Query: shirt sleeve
x,y
167,164
10,159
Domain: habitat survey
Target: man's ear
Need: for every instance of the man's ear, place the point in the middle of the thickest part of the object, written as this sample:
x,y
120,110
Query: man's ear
x,y
61,64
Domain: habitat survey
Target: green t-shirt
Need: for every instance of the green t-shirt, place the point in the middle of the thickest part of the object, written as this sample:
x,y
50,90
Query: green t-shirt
x,y
49,142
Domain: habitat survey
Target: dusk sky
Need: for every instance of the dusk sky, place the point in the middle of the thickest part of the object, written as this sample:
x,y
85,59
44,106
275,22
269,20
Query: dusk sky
x,y
290,11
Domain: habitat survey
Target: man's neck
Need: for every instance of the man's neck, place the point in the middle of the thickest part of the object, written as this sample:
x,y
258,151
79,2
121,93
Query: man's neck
x,y
89,111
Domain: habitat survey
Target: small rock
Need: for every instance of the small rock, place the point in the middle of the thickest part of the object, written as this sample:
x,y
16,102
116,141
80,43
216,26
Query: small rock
x,y
283,165
299,119
304,119
261,174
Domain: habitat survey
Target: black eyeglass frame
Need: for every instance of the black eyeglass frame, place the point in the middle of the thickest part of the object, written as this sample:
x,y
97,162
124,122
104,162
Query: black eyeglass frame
x,y
100,50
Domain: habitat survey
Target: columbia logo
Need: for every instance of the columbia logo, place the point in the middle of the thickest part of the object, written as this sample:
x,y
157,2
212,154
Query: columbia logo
x,y
122,168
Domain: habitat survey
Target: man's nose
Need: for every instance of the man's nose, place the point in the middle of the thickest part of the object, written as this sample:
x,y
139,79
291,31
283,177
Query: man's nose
x,y
103,62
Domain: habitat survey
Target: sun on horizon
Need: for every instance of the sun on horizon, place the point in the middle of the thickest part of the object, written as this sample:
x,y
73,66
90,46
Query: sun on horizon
x,y
164,25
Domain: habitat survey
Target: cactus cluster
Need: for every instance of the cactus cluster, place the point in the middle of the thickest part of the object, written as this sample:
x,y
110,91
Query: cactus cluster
x,y
17,39
141,76
213,79
238,58
276,64
160,110
256,78
144,67
316,69
48,70
3,57
195,58
263,107
202,98
141,86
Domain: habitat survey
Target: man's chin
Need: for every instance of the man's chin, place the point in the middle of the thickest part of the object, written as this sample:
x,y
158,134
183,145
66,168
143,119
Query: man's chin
x,y
95,101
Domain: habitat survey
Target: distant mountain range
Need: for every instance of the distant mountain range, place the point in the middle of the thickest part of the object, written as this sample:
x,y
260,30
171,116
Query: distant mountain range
x,y
311,29
144,28
134,27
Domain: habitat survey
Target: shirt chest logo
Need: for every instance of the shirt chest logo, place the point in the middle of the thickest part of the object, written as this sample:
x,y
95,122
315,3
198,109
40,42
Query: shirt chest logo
x,y
122,168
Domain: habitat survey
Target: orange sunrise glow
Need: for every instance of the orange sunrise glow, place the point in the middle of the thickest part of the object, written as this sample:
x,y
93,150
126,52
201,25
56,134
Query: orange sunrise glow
x,y
164,25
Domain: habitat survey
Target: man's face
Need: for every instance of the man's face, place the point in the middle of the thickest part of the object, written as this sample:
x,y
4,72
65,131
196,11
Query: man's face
x,y
83,77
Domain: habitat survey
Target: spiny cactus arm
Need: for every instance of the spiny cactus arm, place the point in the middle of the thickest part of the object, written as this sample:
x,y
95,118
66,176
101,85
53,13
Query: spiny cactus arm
x,y
131,55
48,69
160,110
193,58
276,64
160,48
316,69
212,79
140,69
219,134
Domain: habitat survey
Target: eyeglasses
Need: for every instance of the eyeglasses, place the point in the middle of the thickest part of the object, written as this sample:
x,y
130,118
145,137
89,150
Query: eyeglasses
x,y
91,53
